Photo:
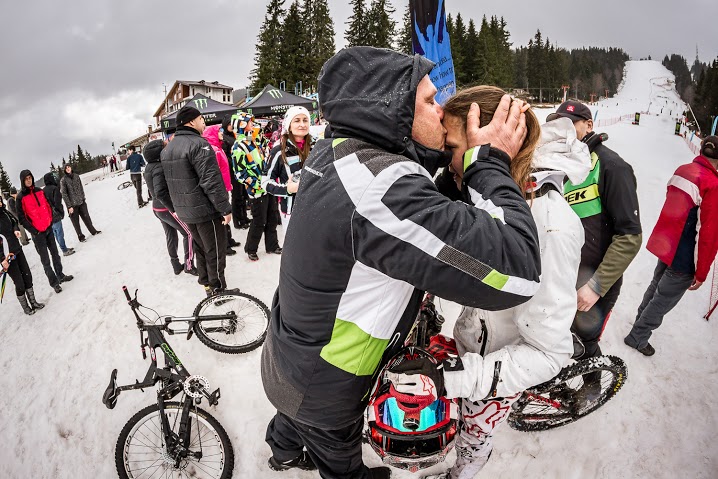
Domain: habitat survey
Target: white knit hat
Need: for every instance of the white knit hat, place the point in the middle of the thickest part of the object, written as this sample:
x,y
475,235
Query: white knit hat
x,y
290,114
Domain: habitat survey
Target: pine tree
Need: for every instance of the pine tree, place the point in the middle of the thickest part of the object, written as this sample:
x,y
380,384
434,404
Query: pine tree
x,y
5,183
267,67
472,66
458,40
291,59
381,28
404,37
318,38
356,32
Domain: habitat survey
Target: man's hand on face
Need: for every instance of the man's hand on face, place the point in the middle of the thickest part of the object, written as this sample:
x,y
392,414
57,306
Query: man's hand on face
x,y
507,129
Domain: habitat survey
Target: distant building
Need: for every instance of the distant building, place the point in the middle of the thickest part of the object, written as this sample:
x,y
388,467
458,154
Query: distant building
x,y
239,96
182,91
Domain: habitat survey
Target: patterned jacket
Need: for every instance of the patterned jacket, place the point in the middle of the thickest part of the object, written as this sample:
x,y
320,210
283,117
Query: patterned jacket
x,y
248,165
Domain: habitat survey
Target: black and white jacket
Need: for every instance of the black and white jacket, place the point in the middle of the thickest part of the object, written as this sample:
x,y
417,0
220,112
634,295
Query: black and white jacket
x,y
277,174
371,233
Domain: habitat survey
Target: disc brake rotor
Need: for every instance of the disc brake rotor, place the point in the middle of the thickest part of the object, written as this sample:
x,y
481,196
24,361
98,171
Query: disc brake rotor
x,y
194,385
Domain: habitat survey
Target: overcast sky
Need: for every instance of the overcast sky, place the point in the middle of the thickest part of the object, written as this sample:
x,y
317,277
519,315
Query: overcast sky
x,y
92,71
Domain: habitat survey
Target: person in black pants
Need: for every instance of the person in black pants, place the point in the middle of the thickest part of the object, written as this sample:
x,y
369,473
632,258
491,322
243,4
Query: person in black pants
x,y
247,157
199,196
35,213
14,262
135,162
73,194
164,210
239,193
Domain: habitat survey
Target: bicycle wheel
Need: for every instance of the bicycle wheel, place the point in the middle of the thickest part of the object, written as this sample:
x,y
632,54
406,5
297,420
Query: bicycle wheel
x,y
564,399
124,184
141,454
233,336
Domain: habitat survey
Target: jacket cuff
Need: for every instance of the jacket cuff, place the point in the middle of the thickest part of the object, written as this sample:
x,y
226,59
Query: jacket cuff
x,y
593,284
483,152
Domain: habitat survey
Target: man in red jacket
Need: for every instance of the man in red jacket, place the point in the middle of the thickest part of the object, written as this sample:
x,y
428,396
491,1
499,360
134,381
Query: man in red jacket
x,y
35,213
685,240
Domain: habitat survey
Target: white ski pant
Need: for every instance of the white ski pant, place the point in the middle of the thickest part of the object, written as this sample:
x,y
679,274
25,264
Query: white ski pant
x,y
474,442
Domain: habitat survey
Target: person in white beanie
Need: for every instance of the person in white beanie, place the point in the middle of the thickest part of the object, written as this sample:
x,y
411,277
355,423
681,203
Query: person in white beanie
x,y
286,159
502,353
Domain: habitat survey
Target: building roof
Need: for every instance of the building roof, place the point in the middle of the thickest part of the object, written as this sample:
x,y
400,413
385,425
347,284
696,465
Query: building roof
x,y
213,84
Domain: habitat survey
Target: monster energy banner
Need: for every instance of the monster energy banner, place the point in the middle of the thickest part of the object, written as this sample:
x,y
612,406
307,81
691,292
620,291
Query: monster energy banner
x,y
212,111
431,39
272,101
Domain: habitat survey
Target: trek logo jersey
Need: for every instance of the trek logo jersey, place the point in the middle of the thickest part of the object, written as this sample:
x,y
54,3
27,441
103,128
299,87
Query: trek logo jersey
x,y
585,199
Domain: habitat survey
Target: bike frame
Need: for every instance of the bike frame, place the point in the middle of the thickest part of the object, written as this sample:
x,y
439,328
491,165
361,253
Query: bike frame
x,y
173,372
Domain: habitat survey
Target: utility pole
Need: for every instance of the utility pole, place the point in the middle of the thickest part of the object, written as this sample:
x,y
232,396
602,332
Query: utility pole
x,y
566,88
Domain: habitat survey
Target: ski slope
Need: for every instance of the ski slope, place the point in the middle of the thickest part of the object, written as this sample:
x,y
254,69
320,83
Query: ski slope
x,y
57,363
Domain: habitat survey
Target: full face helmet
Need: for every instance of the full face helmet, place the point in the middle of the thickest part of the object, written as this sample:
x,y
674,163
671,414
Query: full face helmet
x,y
410,432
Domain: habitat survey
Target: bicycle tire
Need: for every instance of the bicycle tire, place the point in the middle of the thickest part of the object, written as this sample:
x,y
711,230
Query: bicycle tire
x,y
124,185
544,416
250,326
225,461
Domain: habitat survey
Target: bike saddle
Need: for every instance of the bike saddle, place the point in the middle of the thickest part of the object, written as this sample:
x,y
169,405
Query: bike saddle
x,y
109,398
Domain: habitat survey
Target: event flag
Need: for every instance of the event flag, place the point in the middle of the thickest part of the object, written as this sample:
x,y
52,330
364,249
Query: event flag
x,y
431,39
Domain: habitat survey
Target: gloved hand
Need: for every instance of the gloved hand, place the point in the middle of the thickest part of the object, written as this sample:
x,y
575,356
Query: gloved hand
x,y
419,377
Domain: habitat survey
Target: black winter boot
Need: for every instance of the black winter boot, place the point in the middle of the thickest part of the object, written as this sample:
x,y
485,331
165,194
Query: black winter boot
x,y
31,299
302,461
177,266
25,307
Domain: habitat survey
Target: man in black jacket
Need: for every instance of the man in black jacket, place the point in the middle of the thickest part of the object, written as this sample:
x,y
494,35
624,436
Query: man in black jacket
x,y
607,203
74,195
199,196
370,233
239,192
58,212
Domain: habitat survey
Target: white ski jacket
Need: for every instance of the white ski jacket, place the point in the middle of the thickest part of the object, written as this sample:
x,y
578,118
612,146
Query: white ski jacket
x,y
505,352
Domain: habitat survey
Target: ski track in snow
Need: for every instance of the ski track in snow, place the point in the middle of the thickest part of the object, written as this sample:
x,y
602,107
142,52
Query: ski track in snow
x,y
57,363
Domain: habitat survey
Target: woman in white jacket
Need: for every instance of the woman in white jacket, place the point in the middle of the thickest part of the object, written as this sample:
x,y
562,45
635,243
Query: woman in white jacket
x,y
505,352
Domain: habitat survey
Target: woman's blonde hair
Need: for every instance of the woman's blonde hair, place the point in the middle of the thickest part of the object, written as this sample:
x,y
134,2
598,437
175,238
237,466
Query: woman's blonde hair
x,y
488,98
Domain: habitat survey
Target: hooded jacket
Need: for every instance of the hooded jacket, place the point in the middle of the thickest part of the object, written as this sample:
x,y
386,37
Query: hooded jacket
x,y
72,190
211,134
33,208
685,236
370,233
52,191
530,343
193,178
155,177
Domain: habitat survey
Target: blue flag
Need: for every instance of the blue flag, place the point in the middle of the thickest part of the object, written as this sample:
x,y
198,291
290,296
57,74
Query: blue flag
x,y
430,38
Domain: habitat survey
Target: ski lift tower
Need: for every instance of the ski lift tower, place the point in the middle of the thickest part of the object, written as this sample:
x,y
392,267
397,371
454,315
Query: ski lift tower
x,y
565,91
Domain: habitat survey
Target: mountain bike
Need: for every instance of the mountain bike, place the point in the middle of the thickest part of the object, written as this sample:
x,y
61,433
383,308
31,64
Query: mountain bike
x,y
170,438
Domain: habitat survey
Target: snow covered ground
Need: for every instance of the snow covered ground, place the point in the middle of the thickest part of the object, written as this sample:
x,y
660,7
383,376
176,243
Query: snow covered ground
x,y
57,362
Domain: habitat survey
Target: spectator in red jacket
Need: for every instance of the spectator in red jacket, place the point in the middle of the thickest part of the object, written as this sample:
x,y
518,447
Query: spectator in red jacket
x,y
685,251
35,213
